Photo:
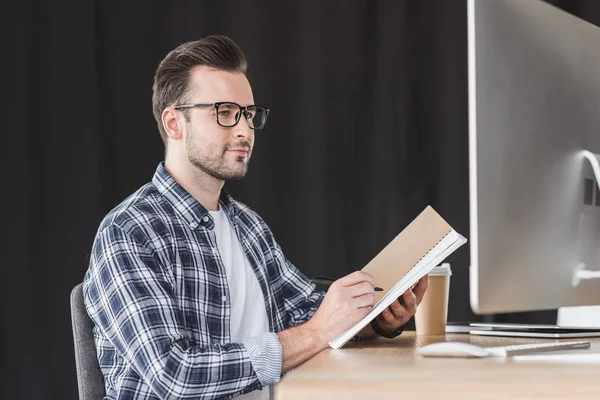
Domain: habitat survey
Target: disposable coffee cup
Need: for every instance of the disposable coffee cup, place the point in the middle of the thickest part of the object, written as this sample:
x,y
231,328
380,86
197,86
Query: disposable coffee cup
x,y
432,313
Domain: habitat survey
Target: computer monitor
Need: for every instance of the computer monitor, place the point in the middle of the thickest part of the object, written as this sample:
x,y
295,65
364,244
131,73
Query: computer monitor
x,y
534,108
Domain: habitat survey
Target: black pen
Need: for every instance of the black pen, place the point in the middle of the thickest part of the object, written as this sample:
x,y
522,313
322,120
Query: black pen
x,y
319,280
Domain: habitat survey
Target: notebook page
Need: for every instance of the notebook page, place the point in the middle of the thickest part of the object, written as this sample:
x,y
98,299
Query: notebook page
x,y
406,249
420,269
436,255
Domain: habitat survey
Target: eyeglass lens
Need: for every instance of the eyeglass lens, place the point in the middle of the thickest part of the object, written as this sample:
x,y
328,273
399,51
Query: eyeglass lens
x,y
228,114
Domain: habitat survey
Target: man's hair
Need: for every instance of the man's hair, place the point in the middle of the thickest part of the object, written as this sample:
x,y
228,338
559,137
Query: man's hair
x,y
171,80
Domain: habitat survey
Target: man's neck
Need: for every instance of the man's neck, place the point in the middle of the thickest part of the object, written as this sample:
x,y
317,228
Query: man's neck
x,y
203,187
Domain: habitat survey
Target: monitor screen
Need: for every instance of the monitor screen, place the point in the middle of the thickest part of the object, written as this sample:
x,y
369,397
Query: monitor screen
x,y
534,108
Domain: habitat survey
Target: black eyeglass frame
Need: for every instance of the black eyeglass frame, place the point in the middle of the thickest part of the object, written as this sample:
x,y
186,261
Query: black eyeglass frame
x,y
243,110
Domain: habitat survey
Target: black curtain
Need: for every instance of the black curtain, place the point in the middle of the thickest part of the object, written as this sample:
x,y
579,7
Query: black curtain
x,y
368,126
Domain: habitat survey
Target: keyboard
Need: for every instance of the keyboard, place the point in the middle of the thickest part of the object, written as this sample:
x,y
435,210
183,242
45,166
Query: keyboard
x,y
465,349
519,349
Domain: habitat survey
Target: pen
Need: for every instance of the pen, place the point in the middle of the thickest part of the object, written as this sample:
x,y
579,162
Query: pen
x,y
319,280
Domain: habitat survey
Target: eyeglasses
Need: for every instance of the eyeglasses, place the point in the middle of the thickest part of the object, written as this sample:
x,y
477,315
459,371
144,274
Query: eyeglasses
x,y
228,113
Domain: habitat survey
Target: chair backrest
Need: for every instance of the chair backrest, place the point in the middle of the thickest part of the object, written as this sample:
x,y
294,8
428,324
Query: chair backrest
x,y
89,375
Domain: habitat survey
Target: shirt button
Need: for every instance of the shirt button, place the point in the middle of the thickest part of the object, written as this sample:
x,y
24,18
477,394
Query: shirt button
x,y
224,298
205,219
193,225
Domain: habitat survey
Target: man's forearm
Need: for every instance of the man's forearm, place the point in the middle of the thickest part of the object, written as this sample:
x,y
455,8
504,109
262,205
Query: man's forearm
x,y
299,344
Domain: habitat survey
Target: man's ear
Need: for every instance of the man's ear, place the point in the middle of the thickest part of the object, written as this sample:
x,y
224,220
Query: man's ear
x,y
171,123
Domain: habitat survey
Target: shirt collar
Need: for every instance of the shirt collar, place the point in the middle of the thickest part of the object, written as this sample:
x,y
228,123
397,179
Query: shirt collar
x,y
192,212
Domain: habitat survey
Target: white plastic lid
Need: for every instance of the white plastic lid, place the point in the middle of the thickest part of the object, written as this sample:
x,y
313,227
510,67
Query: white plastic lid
x,y
441,270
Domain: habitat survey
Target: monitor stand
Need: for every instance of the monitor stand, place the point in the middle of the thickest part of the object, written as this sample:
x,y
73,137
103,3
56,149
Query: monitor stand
x,y
533,330
581,272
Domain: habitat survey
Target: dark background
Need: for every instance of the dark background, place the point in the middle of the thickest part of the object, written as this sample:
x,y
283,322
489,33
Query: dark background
x,y
368,126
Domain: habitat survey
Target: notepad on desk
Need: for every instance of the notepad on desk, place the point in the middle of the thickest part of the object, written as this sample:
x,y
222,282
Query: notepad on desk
x,y
421,246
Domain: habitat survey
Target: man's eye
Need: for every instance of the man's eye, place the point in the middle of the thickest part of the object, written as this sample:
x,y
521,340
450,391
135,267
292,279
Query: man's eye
x,y
250,114
225,113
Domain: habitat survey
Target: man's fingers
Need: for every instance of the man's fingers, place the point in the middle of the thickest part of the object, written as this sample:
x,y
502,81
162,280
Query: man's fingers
x,y
360,289
356,277
410,301
420,288
389,317
366,300
398,310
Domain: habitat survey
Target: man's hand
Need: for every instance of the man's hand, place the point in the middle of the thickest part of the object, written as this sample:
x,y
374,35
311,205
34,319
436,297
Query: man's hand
x,y
401,310
347,301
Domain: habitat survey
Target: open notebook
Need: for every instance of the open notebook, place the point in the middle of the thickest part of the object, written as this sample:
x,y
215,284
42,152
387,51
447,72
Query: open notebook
x,y
422,245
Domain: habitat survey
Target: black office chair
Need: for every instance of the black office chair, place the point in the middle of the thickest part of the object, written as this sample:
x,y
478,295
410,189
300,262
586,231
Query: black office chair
x,y
89,375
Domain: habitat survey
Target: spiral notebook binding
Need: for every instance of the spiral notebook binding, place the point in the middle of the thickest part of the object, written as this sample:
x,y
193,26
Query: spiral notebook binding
x,y
429,251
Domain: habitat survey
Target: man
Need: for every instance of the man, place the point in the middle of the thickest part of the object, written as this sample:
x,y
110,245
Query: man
x,y
190,294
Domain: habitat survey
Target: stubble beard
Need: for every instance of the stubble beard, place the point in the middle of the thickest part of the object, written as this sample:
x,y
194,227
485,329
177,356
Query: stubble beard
x,y
212,161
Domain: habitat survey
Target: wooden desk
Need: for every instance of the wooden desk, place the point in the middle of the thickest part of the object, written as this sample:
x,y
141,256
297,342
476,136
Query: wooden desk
x,y
372,370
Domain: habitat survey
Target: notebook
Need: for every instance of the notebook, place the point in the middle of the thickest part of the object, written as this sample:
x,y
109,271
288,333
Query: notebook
x,y
422,245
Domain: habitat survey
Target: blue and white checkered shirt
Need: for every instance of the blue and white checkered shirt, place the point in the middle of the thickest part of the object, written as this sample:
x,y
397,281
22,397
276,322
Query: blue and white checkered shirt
x,y
157,292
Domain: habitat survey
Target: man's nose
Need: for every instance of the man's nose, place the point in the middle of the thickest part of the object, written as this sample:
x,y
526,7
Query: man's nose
x,y
242,129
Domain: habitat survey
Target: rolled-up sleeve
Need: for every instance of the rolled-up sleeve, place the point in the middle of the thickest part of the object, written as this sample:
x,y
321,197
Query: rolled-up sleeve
x,y
266,356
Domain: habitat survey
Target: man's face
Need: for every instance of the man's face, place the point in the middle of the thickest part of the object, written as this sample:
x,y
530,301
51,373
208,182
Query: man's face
x,y
221,152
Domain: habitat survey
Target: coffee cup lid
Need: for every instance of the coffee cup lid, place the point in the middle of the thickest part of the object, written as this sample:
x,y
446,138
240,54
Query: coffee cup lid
x,y
441,270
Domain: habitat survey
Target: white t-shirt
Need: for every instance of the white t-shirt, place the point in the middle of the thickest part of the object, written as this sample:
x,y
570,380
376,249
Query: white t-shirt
x,y
248,311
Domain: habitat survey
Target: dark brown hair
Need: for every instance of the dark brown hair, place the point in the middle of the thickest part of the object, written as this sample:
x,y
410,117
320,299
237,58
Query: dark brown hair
x,y
171,80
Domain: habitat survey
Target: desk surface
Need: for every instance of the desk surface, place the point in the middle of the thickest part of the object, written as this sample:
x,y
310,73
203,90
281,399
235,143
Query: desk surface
x,y
368,370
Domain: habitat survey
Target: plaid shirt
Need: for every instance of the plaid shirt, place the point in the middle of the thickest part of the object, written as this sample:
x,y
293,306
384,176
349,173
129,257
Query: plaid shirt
x,y
157,292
